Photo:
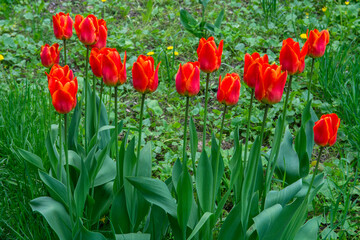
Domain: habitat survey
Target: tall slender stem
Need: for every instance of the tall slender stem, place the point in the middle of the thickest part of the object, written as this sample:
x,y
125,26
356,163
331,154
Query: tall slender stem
x,y
65,51
248,125
99,107
61,146
215,174
286,102
68,171
315,172
116,127
205,109
185,132
310,80
263,124
86,95
50,102
140,126
94,97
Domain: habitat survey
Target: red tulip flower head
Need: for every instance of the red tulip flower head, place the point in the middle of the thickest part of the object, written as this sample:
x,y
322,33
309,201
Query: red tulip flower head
x,y
87,29
209,56
101,43
317,42
325,130
145,78
63,88
188,79
229,89
50,55
113,70
63,26
252,68
292,59
270,88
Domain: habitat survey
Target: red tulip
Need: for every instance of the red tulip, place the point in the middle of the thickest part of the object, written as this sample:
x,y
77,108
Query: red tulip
x,y
101,43
145,78
292,59
50,55
317,42
325,130
252,68
87,29
113,70
63,88
270,88
209,57
96,60
188,79
229,89
63,26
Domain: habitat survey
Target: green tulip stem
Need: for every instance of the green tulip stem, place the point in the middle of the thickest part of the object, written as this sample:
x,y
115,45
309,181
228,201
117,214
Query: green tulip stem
x,y
140,129
94,97
310,80
50,102
315,172
185,133
65,51
116,127
86,94
61,146
205,109
248,124
263,125
99,106
68,171
216,169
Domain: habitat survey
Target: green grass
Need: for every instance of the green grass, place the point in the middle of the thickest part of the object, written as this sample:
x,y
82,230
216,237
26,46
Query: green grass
x,y
139,28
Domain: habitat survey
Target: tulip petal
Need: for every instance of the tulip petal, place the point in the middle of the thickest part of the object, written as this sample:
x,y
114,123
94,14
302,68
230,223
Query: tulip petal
x,y
109,71
62,101
140,79
208,58
321,133
289,59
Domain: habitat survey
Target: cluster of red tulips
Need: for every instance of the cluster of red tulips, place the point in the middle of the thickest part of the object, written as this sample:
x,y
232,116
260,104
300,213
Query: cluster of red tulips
x,y
266,81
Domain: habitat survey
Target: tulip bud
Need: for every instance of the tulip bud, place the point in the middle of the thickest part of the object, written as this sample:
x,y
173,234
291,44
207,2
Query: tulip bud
x,y
113,70
87,29
101,43
292,59
145,78
188,79
63,88
50,55
317,42
63,26
209,57
270,88
229,89
325,130
252,68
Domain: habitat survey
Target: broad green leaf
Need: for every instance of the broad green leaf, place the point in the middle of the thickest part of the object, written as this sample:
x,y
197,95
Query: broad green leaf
x,y
104,133
283,196
55,187
200,224
119,214
32,158
53,155
309,231
55,214
176,172
74,126
133,236
220,18
155,192
265,220
107,172
193,141
84,234
232,226
103,197
157,223
91,116
81,190
301,150
204,182
185,199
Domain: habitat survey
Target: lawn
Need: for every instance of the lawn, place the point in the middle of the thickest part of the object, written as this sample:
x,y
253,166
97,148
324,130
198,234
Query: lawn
x,y
123,158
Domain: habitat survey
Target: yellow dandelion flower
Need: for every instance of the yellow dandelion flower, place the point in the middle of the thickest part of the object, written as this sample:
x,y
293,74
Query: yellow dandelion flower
x,y
150,53
324,9
170,48
307,14
103,0
313,163
176,53
1,57
347,2
303,36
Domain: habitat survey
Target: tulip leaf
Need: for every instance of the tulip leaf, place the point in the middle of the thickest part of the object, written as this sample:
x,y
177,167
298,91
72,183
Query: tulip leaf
x,y
53,155
56,188
55,214
283,196
193,141
119,214
32,158
84,234
204,182
155,192
133,236
81,190
232,227
74,126
309,231
91,114
184,192
220,18
301,150
103,198
157,223
176,172
200,224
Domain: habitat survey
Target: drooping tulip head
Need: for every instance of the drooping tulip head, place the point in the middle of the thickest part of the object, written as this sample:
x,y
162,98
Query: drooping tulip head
x,y
63,88
188,79
63,26
229,89
145,77
252,68
292,59
113,70
87,29
317,42
270,88
101,43
209,56
50,55
325,130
